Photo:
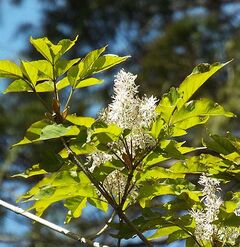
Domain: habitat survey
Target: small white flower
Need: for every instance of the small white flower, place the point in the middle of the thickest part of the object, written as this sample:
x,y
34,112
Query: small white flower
x,y
205,229
147,112
97,158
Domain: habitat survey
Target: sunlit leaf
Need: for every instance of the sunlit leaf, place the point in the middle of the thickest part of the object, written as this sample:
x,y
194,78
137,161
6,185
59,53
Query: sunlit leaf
x,y
89,82
18,86
62,66
75,206
164,231
9,69
195,80
81,121
33,171
107,61
42,46
43,130
30,71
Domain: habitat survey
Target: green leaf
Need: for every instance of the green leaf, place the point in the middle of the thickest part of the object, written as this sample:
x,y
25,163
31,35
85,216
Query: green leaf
x,y
18,86
107,61
82,70
177,235
220,144
190,242
62,66
168,149
167,104
30,71
45,69
42,45
197,112
164,231
80,121
157,173
199,164
43,130
58,130
157,127
65,44
33,171
75,206
8,69
59,186
50,161
147,192
89,82
109,134
46,86
63,83
195,80
98,203
51,51
230,206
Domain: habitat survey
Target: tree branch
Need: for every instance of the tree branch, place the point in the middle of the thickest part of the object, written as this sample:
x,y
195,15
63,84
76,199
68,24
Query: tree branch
x,y
50,225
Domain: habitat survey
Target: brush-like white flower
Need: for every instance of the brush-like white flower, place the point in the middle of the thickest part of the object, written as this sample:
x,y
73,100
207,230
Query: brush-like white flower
x,y
147,112
205,229
128,111
123,110
97,158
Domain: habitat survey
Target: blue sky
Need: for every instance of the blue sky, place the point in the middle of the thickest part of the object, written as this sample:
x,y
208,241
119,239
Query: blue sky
x,y
11,18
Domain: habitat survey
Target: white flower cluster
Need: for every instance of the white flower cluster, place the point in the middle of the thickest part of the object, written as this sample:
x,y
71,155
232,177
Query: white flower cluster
x,y
128,111
206,229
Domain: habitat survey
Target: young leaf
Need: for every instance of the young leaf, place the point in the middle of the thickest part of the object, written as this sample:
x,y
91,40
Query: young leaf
x,y
43,130
46,86
88,82
65,44
57,130
30,71
59,186
164,231
195,80
9,69
220,144
62,66
18,86
82,70
42,46
107,61
197,112
33,171
45,69
81,121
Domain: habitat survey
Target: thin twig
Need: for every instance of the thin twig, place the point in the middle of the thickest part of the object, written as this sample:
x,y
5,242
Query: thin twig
x,y
104,228
50,225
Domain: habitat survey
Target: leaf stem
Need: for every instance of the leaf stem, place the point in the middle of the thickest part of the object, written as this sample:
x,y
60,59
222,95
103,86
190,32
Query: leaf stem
x,y
69,98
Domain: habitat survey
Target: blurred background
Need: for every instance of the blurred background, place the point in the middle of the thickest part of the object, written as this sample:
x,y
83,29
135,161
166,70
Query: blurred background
x,y
165,38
